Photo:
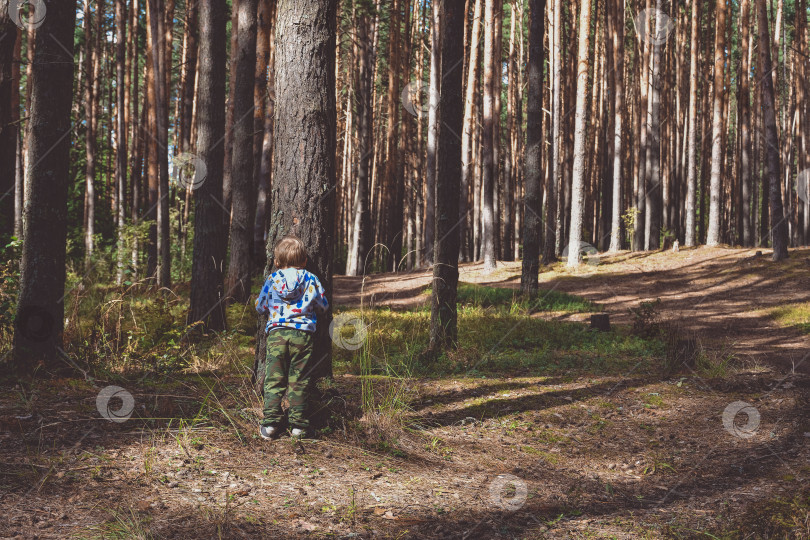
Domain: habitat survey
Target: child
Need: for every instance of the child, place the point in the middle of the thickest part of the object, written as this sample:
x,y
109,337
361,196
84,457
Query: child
x,y
290,296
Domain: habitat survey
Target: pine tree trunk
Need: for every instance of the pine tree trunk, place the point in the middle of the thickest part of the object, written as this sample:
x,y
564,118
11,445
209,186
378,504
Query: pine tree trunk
x,y
8,131
120,130
578,173
641,127
229,114
265,163
616,8
433,132
745,231
691,168
489,227
467,165
713,234
361,228
555,183
304,175
779,232
444,317
190,80
40,304
92,68
533,202
652,234
210,222
393,170
243,196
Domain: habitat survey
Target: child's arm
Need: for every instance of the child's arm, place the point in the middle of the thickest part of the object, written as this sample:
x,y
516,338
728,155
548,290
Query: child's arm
x,y
321,303
261,301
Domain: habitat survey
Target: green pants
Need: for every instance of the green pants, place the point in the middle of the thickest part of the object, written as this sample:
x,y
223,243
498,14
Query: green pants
x,y
289,354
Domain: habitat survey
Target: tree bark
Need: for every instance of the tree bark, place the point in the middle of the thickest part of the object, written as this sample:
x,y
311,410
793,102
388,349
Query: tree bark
x,y
713,234
578,175
652,235
555,182
744,230
444,317
691,168
120,132
779,232
8,130
361,228
533,198
304,173
433,131
265,162
243,196
616,8
40,303
210,222
489,228
393,169
467,166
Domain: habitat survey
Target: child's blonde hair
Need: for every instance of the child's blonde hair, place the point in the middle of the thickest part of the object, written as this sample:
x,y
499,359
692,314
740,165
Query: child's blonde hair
x,y
290,252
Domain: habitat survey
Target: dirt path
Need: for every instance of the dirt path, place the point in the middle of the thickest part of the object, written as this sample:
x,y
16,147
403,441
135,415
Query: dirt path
x,y
722,295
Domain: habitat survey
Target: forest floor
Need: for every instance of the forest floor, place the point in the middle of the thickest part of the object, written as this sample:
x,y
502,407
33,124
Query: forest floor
x,y
537,427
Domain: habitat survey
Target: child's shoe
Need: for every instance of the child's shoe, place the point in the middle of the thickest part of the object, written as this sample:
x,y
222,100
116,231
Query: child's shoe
x,y
298,433
268,432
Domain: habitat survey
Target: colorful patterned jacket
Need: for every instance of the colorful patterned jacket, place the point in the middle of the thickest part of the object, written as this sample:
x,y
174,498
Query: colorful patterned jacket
x,y
291,297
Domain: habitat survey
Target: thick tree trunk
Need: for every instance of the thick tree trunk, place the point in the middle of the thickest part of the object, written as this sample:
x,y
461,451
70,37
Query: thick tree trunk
x,y
578,174
533,199
243,196
304,174
779,232
210,222
40,304
444,317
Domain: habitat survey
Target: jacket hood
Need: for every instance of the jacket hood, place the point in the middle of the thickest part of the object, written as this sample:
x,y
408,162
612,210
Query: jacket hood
x,y
289,283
